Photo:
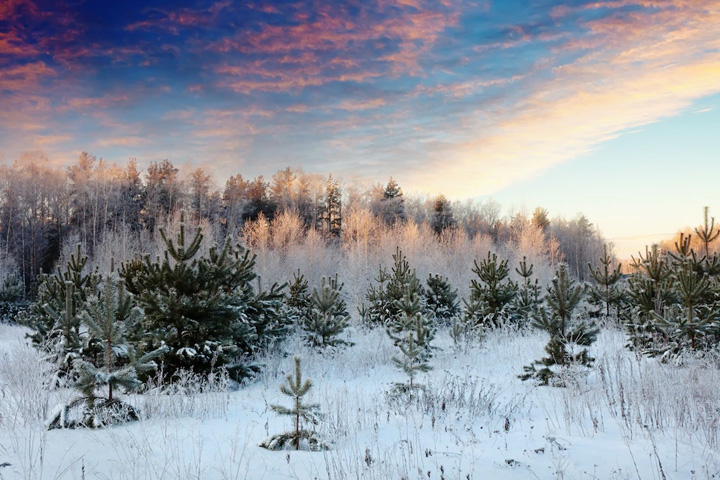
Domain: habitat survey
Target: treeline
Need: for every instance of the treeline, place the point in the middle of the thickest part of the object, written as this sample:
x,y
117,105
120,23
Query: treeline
x,y
44,209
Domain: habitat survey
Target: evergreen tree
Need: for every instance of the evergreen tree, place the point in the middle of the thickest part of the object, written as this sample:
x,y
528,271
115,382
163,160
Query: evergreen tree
x,y
109,318
708,233
390,288
649,293
392,203
442,215
441,299
686,326
52,300
413,359
333,208
328,316
492,293
300,412
297,301
203,308
12,298
411,319
606,292
563,296
525,306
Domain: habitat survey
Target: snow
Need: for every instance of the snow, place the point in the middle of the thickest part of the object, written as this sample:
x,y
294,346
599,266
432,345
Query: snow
x,y
628,418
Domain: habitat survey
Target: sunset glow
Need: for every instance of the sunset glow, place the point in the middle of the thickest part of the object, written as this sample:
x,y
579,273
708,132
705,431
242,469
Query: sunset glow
x,y
560,104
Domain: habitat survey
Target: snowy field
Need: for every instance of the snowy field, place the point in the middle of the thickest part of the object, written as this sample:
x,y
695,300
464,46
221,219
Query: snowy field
x,y
629,418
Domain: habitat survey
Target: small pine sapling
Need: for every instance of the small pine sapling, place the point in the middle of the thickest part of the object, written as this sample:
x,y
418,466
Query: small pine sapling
x,y
411,319
526,303
492,292
108,317
298,303
300,412
415,353
563,296
687,325
12,297
606,292
707,233
441,299
649,293
328,315
389,288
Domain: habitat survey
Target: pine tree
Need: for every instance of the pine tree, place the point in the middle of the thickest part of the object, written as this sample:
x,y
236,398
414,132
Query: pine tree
x,y
692,322
411,319
649,293
708,233
203,308
53,301
12,298
525,306
390,288
563,296
66,328
298,303
109,318
492,292
328,315
333,208
605,291
392,203
442,215
441,299
413,359
300,412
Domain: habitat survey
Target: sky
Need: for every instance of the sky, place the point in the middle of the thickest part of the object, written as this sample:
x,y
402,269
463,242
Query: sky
x,y
609,108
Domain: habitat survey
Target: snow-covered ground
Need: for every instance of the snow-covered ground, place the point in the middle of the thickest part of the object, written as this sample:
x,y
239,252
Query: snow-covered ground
x,y
630,417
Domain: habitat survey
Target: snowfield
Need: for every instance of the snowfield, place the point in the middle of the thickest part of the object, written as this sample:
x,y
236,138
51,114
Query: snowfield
x,y
629,417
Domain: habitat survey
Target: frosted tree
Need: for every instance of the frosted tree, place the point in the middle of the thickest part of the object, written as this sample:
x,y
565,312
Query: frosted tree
x,y
203,308
708,232
442,215
649,293
688,323
568,337
412,359
441,299
328,315
389,289
297,303
491,293
301,413
606,291
526,304
109,318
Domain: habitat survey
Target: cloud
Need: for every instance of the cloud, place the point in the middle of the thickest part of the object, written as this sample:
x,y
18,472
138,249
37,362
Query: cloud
x,y
130,141
335,46
25,77
661,61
